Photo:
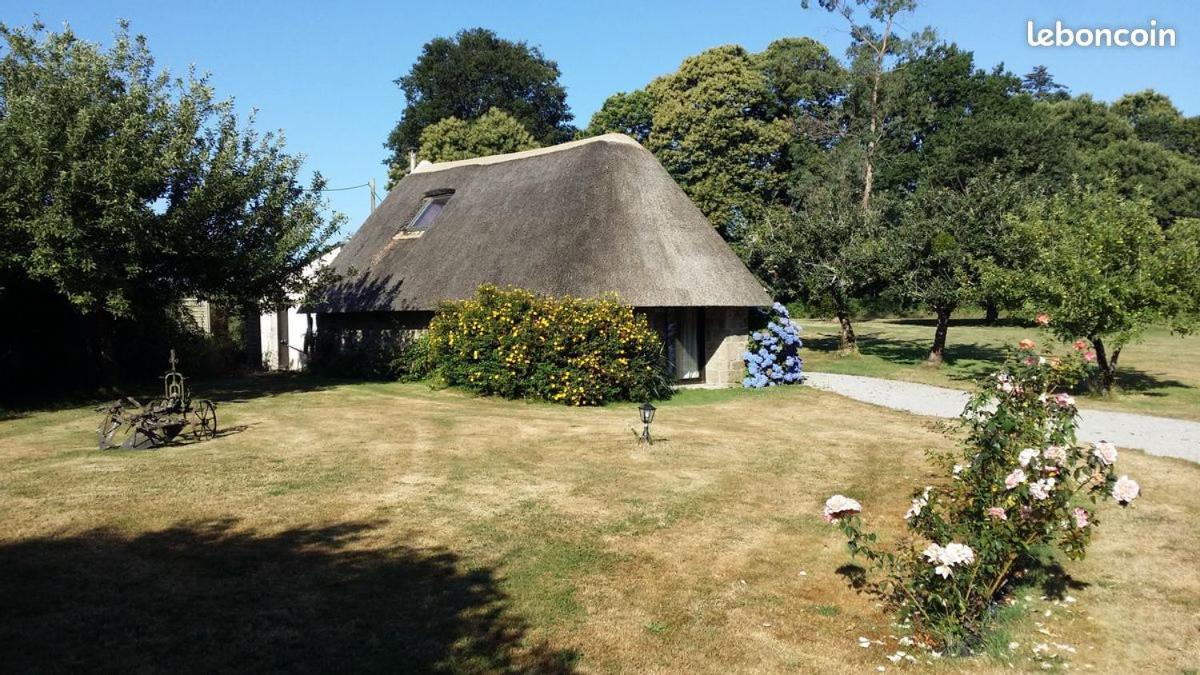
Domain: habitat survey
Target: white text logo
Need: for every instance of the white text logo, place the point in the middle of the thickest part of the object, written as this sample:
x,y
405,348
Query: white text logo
x,y
1062,36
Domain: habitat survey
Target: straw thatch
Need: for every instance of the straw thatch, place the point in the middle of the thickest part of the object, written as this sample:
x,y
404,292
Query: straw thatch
x,y
583,218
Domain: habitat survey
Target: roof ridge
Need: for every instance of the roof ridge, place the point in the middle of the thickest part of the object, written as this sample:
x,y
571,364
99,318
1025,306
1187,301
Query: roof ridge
x,y
427,167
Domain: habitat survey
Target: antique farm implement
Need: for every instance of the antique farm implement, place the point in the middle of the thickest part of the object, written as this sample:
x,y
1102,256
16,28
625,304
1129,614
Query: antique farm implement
x,y
129,424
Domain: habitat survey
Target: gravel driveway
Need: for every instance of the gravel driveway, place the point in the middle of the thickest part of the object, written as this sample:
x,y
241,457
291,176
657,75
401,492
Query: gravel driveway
x,y
1156,435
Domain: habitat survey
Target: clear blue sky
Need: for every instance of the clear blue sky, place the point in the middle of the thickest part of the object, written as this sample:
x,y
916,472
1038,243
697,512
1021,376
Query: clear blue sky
x,y
322,71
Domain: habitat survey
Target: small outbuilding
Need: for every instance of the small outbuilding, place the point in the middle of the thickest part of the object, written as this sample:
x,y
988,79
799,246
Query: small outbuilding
x,y
584,218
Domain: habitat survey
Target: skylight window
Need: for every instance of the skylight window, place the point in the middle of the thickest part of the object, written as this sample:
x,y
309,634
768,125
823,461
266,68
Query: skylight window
x,y
430,209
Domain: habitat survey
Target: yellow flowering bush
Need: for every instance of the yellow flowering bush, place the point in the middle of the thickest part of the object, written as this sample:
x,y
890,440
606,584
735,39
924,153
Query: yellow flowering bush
x,y
517,344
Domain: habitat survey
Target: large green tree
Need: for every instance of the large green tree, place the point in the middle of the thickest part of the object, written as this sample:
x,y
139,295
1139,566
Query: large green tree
x,y
965,147
469,74
123,190
1104,270
874,52
715,132
496,132
629,113
1142,141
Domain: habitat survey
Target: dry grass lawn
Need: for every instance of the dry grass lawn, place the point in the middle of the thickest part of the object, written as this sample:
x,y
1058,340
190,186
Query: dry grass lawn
x,y
391,527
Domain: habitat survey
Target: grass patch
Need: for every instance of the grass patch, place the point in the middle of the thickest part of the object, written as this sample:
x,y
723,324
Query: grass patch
x,y
1159,375
395,527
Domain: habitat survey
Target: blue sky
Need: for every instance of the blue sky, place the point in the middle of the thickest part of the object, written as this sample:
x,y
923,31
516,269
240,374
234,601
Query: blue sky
x,y
323,71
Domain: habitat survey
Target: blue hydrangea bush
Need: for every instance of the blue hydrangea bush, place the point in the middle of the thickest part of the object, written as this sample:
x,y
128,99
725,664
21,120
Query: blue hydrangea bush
x,y
772,357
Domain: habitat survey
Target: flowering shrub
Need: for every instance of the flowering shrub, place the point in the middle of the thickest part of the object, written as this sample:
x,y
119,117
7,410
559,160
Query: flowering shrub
x,y
516,344
1020,489
772,357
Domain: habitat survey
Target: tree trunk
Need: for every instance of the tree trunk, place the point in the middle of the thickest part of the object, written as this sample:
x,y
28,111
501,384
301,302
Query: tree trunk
x,y
848,342
938,352
991,312
876,85
1108,367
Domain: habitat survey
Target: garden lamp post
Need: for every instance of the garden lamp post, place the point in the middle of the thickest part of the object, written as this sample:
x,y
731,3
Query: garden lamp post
x,y
647,412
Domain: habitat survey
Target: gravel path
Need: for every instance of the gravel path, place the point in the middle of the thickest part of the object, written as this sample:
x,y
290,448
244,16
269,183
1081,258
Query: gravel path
x,y
1156,435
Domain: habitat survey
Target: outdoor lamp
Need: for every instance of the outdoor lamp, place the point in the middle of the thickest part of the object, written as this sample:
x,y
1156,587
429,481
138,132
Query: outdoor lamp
x,y
647,412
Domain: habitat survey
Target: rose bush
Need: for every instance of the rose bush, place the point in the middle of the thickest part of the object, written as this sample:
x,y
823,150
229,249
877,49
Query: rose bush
x,y
772,357
1020,490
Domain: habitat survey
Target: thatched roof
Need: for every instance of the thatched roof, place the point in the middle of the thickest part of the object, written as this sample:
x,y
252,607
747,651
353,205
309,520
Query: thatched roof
x,y
583,218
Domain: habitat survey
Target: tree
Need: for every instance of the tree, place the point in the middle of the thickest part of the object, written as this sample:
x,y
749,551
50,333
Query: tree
x,y
965,148
1040,84
1155,119
874,42
714,133
824,249
1103,269
1106,142
808,86
630,113
471,73
496,132
943,242
123,190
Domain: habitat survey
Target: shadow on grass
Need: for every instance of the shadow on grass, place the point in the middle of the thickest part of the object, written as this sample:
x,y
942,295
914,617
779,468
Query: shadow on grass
x,y
1055,581
208,596
855,575
971,361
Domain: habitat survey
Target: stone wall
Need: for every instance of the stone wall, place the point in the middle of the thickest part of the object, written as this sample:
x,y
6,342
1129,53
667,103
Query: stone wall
x,y
726,330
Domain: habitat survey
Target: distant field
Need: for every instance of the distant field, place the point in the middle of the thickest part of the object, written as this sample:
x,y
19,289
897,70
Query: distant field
x,y
388,527
1159,375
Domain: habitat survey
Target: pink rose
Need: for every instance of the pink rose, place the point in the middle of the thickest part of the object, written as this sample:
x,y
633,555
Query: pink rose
x,y
1079,345
1042,319
1105,451
997,513
1014,479
1064,400
1126,490
1026,345
1055,453
838,506
1089,356
1081,517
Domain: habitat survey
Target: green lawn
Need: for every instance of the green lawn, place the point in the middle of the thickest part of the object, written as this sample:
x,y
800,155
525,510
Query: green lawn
x,y
391,527
1159,375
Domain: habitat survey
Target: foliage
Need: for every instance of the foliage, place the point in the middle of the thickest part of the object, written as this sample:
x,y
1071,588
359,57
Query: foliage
x,y
382,355
630,113
1040,84
825,250
516,344
1020,491
126,190
469,74
772,357
496,132
965,149
1155,119
413,363
1102,268
1141,140
714,133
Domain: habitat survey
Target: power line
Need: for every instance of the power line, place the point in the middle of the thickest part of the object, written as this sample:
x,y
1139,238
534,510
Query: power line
x,y
352,187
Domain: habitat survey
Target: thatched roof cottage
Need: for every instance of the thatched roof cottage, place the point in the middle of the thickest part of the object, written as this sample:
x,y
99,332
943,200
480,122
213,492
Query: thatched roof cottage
x,y
582,218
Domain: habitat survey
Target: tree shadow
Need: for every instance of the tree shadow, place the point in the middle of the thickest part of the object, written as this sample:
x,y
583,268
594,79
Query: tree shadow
x,y
968,362
261,385
209,596
855,575
1054,580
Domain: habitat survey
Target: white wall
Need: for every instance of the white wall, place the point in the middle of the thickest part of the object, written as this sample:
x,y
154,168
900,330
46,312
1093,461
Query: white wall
x,y
297,327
